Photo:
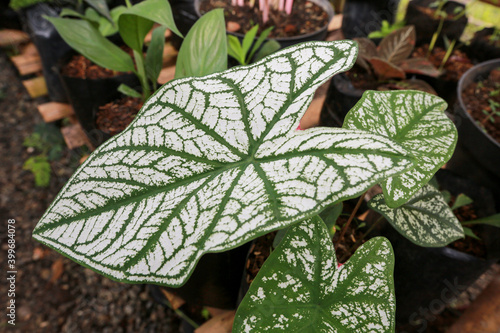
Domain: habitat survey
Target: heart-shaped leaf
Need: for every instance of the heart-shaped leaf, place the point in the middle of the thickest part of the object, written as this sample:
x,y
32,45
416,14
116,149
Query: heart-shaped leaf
x,y
300,289
204,50
385,70
367,50
419,66
398,45
417,121
212,162
426,219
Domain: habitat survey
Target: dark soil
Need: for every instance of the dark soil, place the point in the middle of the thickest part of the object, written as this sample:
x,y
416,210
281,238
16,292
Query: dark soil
x,y
54,294
306,17
82,68
458,63
259,252
476,98
114,117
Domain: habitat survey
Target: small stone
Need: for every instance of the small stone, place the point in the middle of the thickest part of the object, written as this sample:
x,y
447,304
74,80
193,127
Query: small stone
x,y
232,26
129,310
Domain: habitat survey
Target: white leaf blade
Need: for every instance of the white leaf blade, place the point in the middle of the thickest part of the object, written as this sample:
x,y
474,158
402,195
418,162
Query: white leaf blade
x,y
300,287
417,121
426,219
175,176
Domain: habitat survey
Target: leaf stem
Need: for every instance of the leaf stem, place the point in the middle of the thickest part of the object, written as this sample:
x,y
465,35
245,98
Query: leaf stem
x,y
358,242
141,73
181,314
345,226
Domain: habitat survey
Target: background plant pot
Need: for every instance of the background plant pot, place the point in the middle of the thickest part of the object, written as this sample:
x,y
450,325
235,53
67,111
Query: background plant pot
x,y
216,279
49,44
288,41
480,49
477,155
426,25
340,98
86,95
360,17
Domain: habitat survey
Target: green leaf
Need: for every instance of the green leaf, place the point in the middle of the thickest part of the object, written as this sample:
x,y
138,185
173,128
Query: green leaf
x,y
210,163
300,289
234,49
461,200
248,40
154,56
70,12
268,48
330,215
108,28
426,219
470,233
417,121
126,90
446,194
493,220
40,168
101,7
158,11
133,29
204,50
82,36
272,43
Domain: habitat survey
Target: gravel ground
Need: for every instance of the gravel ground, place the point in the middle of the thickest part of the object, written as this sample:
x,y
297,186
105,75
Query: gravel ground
x,y
53,294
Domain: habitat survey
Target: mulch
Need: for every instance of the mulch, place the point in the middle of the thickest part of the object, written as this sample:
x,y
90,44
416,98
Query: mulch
x,y
54,294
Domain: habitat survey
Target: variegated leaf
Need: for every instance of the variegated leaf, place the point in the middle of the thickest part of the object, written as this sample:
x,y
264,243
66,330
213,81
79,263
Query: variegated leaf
x,y
417,121
426,219
300,289
212,162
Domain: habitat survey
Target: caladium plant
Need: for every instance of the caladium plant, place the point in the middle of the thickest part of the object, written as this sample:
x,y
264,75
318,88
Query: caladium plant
x,y
390,59
212,162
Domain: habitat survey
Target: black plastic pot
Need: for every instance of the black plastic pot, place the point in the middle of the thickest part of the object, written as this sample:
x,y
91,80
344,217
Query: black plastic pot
x,y
360,17
477,155
427,279
481,49
288,41
51,47
86,95
426,25
340,98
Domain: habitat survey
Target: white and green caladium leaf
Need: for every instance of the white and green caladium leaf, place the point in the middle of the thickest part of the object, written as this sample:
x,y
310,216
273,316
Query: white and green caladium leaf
x,y
212,162
426,219
300,289
417,121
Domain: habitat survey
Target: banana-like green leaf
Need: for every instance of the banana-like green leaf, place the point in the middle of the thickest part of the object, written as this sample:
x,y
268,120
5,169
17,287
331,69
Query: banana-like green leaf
x,y
154,56
417,121
101,7
426,219
133,29
204,50
300,289
158,11
212,162
86,39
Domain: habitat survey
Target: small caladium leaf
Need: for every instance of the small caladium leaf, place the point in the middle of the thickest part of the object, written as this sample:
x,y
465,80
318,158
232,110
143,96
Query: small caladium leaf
x,y
300,289
212,162
426,219
420,66
398,45
385,70
417,121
